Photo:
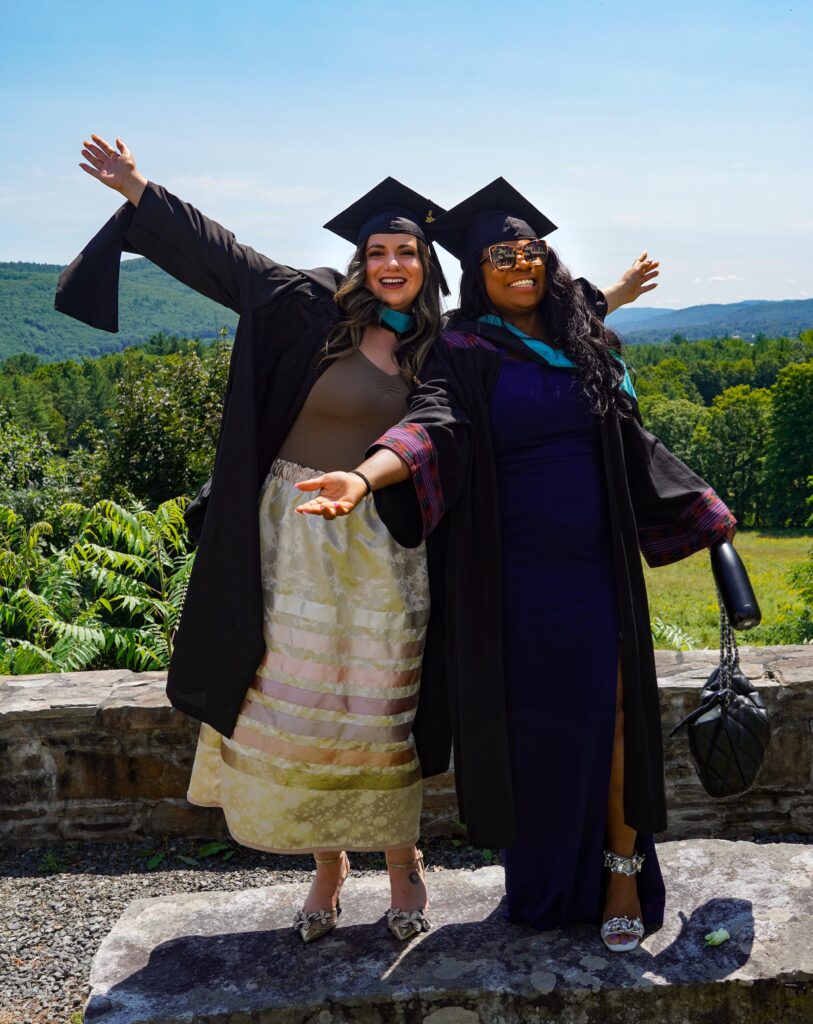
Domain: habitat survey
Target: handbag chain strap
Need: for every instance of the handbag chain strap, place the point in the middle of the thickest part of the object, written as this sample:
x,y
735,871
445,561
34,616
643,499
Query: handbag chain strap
x,y
729,652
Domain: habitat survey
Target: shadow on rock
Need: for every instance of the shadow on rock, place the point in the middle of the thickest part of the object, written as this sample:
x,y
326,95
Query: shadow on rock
x,y
271,968
688,959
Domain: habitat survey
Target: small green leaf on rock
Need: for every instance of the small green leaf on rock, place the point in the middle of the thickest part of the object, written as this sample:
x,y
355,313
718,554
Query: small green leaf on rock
x,y
188,860
717,938
155,860
228,856
210,848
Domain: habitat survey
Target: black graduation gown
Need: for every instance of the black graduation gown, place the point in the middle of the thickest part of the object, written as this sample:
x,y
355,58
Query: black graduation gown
x,y
657,505
285,316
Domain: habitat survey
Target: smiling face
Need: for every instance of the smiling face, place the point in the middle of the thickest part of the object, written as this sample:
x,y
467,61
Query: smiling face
x,y
517,291
393,270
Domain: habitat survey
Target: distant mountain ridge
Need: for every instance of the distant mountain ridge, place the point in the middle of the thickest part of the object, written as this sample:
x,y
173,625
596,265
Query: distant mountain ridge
x,y
785,317
151,302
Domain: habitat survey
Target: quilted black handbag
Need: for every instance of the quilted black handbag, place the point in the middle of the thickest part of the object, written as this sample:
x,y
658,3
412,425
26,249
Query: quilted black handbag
x,y
729,732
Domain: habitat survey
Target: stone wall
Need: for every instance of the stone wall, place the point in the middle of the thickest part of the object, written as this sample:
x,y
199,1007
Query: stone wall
x,y
102,756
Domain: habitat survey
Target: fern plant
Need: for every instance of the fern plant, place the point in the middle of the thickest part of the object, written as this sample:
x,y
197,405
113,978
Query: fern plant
x,y
113,598
138,565
672,635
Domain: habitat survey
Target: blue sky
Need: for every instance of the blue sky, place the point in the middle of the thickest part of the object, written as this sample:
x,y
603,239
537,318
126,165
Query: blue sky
x,y
684,128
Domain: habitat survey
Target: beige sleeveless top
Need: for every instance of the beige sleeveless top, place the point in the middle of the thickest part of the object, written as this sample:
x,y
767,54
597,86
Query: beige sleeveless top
x,y
348,408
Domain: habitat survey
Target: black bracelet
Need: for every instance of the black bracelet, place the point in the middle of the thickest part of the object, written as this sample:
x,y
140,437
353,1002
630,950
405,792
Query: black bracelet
x,y
355,472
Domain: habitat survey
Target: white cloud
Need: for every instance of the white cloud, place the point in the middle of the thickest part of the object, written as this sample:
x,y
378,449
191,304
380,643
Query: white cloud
x,y
804,295
717,279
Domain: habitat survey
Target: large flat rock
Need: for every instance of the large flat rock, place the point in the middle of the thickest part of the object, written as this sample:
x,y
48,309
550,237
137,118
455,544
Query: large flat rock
x,y
232,957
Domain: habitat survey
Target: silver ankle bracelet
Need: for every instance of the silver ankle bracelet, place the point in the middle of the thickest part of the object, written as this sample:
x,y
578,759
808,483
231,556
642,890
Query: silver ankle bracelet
x,y
623,865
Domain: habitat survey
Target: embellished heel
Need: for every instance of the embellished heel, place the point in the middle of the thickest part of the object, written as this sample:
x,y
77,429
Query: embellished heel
x,y
407,924
632,927
312,925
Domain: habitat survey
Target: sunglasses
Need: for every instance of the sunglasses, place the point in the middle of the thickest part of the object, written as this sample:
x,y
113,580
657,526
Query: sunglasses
x,y
504,256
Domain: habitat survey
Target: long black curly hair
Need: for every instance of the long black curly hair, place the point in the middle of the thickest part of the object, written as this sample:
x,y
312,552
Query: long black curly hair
x,y
570,324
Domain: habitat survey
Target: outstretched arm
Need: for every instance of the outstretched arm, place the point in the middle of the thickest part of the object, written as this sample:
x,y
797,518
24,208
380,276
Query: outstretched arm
x,y
172,234
633,283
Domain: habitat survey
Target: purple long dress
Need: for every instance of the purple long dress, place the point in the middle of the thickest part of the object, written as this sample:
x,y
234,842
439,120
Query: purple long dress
x,y
561,645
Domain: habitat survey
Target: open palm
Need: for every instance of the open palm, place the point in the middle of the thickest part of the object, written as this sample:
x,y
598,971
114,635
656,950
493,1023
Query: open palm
x,y
111,167
339,493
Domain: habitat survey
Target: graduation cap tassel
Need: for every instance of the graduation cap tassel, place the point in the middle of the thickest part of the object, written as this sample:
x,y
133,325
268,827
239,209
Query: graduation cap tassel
x,y
444,287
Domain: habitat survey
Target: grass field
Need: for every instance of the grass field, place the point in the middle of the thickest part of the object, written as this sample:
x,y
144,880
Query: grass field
x,y
683,593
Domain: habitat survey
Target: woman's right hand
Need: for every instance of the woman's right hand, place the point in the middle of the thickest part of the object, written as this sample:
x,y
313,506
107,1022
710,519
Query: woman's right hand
x,y
339,493
115,169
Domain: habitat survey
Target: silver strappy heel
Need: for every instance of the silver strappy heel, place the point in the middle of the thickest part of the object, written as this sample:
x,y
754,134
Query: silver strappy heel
x,y
406,924
313,924
631,926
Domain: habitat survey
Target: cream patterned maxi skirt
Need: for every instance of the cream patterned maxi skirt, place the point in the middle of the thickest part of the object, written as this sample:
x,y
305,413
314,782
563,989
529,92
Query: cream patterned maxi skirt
x,y
322,755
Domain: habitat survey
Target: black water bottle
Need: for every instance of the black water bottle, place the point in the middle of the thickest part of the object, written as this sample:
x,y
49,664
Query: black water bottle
x,y
734,587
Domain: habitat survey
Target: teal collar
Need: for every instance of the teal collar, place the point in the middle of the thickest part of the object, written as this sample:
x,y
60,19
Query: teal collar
x,y
552,356
401,323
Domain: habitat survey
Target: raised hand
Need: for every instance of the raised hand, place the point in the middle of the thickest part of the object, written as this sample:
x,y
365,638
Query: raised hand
x,y
633,283
339,493
640,277
113,167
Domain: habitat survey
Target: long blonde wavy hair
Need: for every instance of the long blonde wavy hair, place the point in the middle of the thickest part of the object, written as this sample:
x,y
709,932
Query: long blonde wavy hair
x,y
359,308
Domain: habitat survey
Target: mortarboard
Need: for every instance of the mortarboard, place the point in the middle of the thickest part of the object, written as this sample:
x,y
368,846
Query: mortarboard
x,y
497,213
390,208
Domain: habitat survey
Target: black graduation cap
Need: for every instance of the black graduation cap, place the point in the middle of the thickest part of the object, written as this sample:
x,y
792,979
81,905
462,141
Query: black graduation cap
x,y
390,208
497,213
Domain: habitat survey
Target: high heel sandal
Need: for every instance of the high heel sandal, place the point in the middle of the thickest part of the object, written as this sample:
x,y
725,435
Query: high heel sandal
x,y
406,924
631,926
313,924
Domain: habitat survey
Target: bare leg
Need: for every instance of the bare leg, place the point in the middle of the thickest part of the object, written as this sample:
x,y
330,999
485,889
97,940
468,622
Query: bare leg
x,y
332,868
407,885
622,891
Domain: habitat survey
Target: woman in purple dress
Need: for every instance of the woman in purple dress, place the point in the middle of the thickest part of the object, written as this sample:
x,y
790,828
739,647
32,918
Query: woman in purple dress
x,y
539,663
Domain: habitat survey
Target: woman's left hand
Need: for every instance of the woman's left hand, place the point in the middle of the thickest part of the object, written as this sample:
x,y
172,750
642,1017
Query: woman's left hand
x,y
339,493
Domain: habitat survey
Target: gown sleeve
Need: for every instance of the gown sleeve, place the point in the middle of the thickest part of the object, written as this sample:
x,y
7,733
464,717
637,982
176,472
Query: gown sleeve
x,y
594,296
676,512
179,239
433,440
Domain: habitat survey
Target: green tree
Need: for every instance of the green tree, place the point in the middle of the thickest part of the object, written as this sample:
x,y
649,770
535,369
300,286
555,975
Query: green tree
x,y
163,431
729,448
790,449
669,379
673,421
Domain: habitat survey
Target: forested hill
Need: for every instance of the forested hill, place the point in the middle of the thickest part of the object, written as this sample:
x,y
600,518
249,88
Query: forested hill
x,y
746,319
151,302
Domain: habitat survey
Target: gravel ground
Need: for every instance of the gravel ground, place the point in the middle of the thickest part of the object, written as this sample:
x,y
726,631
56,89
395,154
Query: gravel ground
x,y
59,903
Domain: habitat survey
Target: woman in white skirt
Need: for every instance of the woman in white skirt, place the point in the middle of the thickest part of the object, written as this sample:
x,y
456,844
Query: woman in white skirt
x,y
321,756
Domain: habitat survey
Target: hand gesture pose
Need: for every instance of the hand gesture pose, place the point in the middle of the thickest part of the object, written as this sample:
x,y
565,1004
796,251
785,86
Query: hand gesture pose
x,y
339,493
117,170
638,279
